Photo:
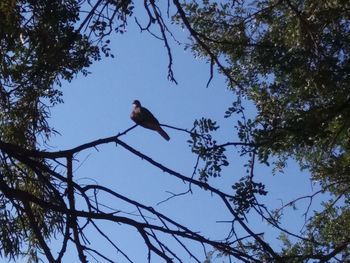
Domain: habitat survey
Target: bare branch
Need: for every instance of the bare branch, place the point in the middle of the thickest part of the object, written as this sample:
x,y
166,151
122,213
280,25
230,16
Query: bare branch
x,y
72,220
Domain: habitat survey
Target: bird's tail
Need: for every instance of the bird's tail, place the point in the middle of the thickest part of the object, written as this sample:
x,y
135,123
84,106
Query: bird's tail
x,y
163,134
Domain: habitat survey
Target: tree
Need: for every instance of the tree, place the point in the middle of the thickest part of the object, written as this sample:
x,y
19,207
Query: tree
x,y
291,60
286,56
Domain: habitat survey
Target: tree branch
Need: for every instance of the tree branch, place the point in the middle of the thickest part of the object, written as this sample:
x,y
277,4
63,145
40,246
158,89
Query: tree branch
x,y
72,219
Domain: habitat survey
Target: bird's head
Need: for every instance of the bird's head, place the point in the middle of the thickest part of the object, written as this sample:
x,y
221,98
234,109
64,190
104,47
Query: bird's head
x,y
136,103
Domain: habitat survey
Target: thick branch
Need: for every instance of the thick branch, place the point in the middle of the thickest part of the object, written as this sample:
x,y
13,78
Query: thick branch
x,y
14,149
73,222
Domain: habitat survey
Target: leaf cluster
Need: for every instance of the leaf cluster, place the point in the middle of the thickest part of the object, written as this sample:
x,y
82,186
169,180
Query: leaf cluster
x,y
245,194
207,149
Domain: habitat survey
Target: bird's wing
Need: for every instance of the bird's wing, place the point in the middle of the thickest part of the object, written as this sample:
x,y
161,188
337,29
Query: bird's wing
x,y
145,118
148,117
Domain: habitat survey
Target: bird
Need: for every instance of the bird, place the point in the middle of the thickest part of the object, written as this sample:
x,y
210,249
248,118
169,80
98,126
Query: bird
x,y
143,117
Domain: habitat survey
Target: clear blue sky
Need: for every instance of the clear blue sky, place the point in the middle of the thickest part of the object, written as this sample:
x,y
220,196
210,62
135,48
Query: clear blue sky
x,y
99,106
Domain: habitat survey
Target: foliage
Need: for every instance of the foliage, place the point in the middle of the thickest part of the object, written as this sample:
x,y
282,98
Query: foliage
x,y
291,58
203,145
292,61
41,45
33,35
288,57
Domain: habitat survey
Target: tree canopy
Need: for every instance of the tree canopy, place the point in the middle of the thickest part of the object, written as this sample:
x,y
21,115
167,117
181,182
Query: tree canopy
x,y
290,58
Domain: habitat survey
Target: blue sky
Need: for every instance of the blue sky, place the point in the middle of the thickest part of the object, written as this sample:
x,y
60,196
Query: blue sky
x,y
99,106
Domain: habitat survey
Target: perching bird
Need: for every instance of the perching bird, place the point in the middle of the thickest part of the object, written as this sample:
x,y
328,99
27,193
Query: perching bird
x,y
145,118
